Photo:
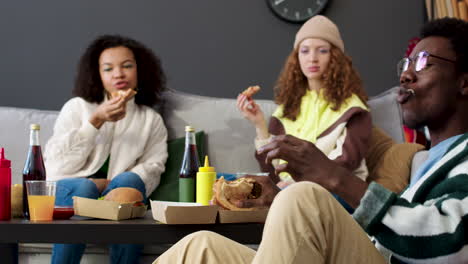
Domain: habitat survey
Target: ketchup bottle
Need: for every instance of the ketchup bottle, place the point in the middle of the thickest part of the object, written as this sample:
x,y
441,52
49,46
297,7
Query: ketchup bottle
x,y
34,169
189,168
5,187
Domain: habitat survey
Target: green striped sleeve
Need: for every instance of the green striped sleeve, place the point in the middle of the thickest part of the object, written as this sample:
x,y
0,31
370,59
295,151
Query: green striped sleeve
x,y
424,246
374,205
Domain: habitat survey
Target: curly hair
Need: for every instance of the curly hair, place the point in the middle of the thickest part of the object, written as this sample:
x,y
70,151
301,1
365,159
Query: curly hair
x,y
151,78
456,30
340,81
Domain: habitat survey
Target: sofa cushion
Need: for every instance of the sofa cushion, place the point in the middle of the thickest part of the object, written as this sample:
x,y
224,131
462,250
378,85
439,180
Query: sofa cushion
x,y
386,114
169,186
388,162
229,137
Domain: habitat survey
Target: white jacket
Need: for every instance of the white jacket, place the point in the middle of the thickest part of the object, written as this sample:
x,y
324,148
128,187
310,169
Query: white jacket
x,y
137,143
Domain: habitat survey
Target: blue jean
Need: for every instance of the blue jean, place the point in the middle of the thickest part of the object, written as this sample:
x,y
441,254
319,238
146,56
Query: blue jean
x,y
83,187
344,204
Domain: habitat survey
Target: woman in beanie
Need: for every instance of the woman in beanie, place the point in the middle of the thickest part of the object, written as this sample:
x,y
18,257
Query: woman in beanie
x,y
321,99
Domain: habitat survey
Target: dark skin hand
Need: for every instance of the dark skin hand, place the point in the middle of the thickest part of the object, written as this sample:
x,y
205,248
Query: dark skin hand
x,y
269,191
307,163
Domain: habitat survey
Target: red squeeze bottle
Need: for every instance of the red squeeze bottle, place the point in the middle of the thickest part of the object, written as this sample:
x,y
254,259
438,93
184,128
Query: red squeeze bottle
x,y
5,187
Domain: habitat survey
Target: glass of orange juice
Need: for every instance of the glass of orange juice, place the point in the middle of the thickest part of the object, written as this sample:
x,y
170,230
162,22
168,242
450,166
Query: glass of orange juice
x,y
41,199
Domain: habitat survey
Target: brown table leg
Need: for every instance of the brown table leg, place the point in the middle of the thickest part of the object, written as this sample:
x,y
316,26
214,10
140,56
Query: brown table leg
x,y
9,253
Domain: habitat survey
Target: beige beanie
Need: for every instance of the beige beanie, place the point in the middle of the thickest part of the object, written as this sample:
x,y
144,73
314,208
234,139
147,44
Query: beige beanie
x,y
322,28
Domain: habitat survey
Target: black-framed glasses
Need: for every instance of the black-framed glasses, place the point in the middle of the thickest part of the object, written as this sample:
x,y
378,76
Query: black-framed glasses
x,y
419,61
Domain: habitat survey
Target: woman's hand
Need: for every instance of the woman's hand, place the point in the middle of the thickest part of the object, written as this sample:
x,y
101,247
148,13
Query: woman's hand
x,y
101,184
269,191
252,112
109,111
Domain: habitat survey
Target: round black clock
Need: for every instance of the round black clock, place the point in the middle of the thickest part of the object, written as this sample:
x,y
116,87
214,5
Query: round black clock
x,y
296,11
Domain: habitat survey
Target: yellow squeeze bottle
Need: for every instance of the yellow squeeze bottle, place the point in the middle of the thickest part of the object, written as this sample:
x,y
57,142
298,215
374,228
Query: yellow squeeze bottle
x,y
206,176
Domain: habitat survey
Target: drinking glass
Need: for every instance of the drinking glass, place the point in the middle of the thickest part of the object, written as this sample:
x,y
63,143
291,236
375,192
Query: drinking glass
x,y
41,199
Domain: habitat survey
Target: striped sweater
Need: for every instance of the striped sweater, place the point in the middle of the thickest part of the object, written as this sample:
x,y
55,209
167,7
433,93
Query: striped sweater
x,y
427,222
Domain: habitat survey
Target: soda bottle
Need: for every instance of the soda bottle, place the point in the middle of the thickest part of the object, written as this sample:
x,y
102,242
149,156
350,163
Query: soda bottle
x,y
189,168
34,168
5,187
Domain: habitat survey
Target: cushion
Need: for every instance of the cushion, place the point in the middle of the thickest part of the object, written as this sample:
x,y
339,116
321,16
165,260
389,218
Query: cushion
x,y
389,163
168,189
386,114
229,137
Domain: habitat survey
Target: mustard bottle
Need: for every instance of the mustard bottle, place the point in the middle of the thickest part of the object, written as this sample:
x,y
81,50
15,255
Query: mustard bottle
x,y
206,176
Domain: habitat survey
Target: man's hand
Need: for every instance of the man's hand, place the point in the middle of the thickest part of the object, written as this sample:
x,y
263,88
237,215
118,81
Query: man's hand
x,y
101,184
305,162
269,191
109,111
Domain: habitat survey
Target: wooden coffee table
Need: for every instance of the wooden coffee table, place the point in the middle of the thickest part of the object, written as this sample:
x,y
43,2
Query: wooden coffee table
x,y
135,231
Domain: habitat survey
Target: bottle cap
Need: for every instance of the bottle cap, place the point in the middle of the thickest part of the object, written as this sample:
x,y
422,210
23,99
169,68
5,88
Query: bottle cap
x,y
4,163
189,129
206,167
35,127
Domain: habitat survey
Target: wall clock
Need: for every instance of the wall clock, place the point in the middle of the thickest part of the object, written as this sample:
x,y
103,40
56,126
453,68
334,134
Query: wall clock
x,y
296,11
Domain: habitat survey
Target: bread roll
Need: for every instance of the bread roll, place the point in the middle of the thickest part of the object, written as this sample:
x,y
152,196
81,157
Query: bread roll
x,y
251,90
124,195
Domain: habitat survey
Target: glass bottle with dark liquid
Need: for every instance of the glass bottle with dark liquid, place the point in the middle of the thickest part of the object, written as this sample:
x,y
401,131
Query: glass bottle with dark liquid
x,y
34,168
189,168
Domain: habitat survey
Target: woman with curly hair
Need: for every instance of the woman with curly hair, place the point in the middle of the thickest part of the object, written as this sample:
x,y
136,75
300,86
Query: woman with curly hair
x,y
109,135
321,99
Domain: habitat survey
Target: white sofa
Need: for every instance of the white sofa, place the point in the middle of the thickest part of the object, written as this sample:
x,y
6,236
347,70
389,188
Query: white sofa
x,y
229,143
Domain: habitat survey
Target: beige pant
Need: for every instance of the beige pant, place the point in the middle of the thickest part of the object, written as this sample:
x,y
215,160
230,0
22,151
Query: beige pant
x,y
305,225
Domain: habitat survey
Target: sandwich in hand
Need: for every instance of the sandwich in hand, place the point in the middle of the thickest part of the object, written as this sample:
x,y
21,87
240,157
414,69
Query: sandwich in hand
x,y
226,193
251,90
125,94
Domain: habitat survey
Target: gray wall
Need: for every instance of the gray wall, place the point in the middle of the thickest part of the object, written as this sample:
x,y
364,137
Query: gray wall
x,y
209,47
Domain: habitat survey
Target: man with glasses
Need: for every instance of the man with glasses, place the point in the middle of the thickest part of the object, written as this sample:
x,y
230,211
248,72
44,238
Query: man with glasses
x,y
425,224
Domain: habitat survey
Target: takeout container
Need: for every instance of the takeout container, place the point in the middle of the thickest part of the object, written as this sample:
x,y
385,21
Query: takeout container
x,y
107,209
193,213
255,216
183,213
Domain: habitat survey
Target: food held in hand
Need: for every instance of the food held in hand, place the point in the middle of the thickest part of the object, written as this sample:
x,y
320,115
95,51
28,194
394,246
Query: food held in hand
x,y
125,94
124,195
226,193
249,92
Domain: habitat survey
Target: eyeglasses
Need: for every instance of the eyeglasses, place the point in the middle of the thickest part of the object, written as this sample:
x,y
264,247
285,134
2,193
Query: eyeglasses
x,y
420,62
